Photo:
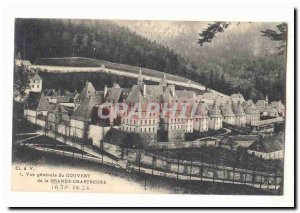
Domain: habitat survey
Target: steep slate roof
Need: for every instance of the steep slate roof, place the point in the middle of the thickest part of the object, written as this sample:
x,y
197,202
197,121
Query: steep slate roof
x,y
124,94
237,97
37,101
135,95
36,77
251,109
154,93
113,95
214,111
201,111
267,145
277,104
261,103
238,109
226,109
88,90
167,95
185,94
84,110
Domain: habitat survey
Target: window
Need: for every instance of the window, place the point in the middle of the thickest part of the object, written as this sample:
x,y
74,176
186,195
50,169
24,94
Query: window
x,y
149,129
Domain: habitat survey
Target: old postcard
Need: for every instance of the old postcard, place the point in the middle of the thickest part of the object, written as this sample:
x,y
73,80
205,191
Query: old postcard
x,y
149,107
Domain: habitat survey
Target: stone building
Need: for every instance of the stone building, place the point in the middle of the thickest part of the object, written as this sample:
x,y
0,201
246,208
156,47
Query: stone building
x,y
240,115
267,148
227,113
252,114
215,118
201,118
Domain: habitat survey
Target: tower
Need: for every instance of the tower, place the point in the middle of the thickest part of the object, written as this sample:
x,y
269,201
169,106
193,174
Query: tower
x,y
164,81
140,78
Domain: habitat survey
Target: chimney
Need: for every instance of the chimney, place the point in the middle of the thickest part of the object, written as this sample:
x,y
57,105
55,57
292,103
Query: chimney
x,y
144,90
105,90
173,90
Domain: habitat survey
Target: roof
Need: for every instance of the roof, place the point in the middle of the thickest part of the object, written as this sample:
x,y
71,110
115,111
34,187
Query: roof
x,y
237,97
226,109
201,110
36,77
113,95
267,145
135,95
185,94
84,110
167,95
88,90
38,102
251,109
214,111
277,104
26,62
261,103
238,109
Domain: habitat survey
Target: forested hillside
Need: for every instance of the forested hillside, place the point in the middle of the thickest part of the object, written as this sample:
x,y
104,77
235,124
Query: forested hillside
x,y
254,76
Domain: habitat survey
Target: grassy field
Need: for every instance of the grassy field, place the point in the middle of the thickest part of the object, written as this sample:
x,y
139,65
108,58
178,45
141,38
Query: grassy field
x,y
26,155
223,156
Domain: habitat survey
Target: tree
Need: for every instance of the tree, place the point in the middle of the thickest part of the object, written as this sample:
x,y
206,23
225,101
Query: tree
x,y
22,77
207,35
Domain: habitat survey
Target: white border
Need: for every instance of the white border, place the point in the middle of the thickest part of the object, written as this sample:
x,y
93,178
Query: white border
x,y
167,10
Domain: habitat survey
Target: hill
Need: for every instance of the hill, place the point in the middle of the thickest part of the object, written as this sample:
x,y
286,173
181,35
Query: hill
x,y
101,39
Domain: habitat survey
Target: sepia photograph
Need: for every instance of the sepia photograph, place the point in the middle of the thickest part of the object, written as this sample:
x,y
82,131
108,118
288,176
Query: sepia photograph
x,y
148,104
149,107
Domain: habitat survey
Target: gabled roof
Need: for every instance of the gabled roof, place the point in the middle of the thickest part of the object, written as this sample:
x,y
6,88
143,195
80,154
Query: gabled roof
x,y
113,95
214,111
84,110
251,109
261,103
238,109
88,90
36,77
267,145
237,97
167,95
37,101
201,110
277,104
226,109
135,95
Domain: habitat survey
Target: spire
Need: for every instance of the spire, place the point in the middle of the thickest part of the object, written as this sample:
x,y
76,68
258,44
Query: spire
x,y
19,55
140,78
267,100
164,80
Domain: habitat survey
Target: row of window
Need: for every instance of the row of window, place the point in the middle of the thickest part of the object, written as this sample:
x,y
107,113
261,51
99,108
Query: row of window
x,y
179,126
143,129
142,122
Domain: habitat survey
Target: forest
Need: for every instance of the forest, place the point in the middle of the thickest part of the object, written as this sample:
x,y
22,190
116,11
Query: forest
x,y
252,76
